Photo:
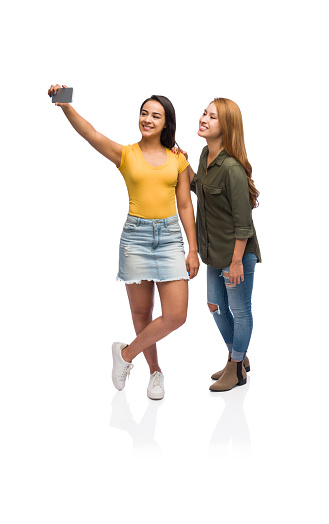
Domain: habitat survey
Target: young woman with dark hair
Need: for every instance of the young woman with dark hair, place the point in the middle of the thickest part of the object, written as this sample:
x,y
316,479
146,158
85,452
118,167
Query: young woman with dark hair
x,y
227,240
151,246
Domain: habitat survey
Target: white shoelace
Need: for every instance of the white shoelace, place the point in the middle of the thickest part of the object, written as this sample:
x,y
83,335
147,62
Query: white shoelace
x,y
126,371
156,380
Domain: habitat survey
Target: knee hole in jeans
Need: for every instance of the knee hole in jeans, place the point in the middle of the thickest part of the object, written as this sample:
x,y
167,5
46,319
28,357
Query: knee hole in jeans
x,y
213,307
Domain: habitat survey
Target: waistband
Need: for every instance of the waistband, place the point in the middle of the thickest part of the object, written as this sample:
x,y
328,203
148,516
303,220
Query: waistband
x,y
149,221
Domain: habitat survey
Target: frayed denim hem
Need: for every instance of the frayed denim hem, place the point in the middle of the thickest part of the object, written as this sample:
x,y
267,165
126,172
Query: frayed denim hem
x,y
150,280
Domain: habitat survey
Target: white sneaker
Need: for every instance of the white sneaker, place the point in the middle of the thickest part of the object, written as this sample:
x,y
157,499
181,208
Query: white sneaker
x,y
155,389
121,368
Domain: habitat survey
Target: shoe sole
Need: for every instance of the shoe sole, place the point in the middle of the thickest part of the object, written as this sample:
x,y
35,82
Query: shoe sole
x,y
241,383
117,386
113,375
154,398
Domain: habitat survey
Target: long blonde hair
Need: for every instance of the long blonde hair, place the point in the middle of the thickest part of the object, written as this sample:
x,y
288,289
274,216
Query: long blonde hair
x,y
230,119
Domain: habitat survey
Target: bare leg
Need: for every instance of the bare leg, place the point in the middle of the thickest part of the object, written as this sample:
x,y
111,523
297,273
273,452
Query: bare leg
x,y
141,300
174,298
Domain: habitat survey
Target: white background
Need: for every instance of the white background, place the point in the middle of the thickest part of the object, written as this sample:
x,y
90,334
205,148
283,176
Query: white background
x,y
73,450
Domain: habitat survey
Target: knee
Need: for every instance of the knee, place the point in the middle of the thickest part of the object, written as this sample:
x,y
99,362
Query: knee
x,y
142,316
212,307
176,321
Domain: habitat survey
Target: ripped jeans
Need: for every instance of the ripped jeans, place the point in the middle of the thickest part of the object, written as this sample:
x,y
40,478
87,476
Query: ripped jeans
x,y
234,316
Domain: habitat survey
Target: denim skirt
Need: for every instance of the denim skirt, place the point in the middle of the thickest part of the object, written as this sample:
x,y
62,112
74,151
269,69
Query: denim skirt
x,y
151,249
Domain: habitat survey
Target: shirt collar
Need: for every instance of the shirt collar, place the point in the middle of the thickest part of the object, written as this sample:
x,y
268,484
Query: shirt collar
x,y
218,160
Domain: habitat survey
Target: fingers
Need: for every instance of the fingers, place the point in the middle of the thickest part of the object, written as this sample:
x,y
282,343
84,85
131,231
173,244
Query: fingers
x,y
192,270
195,271
177,150
61,104
54,89
236,279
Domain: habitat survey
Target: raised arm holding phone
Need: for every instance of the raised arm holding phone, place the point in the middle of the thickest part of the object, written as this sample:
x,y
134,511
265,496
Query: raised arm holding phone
x,y
151,251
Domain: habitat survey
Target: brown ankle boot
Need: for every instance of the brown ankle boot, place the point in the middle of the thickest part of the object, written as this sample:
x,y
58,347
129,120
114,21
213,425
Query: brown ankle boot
x,y
234,375
246,364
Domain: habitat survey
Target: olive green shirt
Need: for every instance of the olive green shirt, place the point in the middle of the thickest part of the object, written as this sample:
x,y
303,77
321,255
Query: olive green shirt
x,y
224,210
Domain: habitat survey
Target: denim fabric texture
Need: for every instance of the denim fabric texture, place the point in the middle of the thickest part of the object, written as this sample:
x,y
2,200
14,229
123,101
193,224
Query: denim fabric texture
x,y
234,316
151,249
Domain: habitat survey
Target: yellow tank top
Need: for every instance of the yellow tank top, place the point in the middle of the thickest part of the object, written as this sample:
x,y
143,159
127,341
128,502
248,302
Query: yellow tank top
x,y
151,189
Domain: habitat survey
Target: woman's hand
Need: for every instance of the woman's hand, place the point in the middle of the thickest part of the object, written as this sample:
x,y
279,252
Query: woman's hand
x,y
53,91
236,272
236,267
177,150
192,264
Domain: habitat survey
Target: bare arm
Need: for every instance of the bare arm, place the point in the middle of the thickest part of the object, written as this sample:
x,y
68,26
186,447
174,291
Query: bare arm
x,y
177,150
186,213
191,173
101,143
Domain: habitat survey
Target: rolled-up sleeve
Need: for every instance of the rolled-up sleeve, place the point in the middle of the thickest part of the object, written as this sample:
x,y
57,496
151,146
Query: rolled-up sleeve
x,y
238,195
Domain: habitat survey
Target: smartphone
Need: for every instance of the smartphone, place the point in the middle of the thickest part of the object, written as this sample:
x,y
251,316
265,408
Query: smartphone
x,y
64,95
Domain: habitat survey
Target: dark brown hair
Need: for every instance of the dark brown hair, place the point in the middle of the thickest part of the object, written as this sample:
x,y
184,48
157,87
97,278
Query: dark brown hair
x,y
167,138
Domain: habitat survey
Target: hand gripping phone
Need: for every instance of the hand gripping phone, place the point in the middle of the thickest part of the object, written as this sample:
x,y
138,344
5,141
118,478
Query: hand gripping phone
x,y
64,95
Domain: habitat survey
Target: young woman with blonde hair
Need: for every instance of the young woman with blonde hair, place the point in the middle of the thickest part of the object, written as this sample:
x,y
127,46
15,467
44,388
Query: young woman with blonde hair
x,y
227,240
151,248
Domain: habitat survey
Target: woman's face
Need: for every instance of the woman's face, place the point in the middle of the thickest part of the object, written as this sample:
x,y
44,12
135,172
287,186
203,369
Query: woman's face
x,y
152,119
209,126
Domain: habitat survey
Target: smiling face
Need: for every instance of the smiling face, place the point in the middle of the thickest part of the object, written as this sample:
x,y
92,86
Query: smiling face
x,y
152,119
209,126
